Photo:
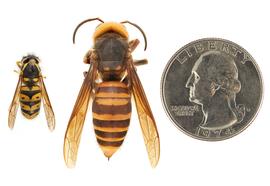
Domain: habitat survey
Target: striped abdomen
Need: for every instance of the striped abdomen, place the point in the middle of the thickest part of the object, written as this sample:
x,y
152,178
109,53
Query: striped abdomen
x,y
111,115
30,99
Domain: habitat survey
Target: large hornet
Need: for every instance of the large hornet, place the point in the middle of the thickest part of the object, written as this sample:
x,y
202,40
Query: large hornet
x,y
110,81
29,92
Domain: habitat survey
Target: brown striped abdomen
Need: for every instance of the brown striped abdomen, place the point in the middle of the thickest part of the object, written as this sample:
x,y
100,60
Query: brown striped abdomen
x,y
111,115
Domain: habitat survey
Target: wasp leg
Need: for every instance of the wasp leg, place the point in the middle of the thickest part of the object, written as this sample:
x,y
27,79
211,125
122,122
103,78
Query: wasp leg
x,y
19,64
16,71
133,44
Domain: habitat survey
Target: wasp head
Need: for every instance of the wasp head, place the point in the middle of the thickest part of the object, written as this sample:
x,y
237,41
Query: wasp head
x,y
30,59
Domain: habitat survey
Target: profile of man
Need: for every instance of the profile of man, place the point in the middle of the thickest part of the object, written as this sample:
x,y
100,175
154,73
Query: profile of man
x,y
213,84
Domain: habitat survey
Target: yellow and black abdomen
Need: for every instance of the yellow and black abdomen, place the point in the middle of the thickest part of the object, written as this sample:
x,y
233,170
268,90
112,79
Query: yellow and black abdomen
x,y
30,100
111,115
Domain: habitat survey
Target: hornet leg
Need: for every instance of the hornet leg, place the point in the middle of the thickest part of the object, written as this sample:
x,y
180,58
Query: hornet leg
x,y
140,62
133,44
86,58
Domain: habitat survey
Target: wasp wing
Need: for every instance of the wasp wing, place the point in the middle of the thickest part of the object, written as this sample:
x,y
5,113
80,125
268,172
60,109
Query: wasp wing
x,y
14,105
76,121
147,121
47,106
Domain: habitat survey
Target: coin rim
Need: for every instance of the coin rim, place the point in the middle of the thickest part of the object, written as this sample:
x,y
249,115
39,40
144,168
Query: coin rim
x,y
162,93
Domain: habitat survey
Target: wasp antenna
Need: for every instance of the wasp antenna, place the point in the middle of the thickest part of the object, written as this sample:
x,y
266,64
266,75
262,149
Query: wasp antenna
x,y
85,21
141,30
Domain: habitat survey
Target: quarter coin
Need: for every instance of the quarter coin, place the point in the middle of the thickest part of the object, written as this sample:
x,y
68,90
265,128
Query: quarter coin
x,y
211,89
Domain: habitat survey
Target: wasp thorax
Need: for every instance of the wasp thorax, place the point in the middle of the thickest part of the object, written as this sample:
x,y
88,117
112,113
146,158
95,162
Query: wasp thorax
x,y
31,70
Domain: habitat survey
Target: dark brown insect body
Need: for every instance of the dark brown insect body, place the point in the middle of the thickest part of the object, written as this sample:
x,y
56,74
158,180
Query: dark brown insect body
x,y
111,80
111,105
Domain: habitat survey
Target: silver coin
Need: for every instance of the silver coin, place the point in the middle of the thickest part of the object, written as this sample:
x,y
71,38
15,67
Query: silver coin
x,y
212,89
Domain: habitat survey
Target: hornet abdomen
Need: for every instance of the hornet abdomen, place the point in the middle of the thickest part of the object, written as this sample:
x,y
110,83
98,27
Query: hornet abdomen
x,y
111,115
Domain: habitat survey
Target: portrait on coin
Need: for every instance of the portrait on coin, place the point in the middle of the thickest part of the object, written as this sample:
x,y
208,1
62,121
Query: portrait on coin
x,y
213,84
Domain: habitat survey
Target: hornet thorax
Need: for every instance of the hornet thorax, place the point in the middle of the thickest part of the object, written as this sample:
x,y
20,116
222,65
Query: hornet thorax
x,y
111,49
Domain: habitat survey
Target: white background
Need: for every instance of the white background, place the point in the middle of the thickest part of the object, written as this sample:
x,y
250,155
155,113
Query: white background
x,y
31,155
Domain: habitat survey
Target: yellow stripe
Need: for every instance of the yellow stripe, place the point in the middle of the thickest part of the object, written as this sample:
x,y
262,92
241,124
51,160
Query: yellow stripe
x,y
112,95
112,101
30,116
36,97
25,88
110,139
112,84
25,98
108,150
35,79
27,107
111,129
110,117
109,147
28,79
